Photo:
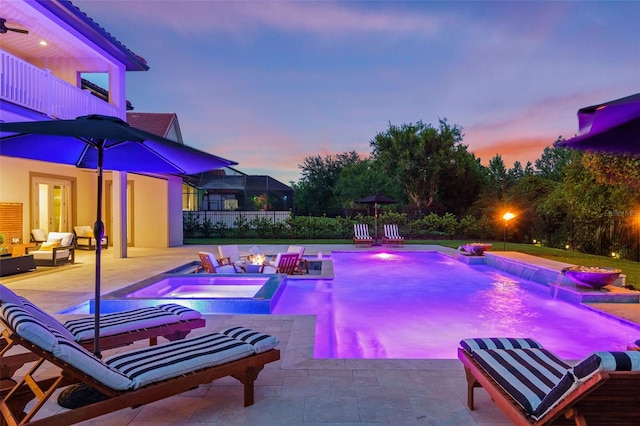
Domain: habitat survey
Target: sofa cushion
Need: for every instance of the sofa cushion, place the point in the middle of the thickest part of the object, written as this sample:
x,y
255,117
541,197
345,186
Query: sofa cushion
x,y
39,235
66,237
49,245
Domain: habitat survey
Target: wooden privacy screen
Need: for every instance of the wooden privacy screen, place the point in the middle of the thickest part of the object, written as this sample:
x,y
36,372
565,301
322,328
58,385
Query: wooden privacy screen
x,y
11,221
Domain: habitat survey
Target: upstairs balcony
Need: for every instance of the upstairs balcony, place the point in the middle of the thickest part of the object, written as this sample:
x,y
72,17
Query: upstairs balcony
x,y
39,90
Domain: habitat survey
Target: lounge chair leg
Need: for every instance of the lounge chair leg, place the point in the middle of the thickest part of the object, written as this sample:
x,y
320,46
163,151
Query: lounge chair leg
x,y
248,377
178,335
572,413
471,384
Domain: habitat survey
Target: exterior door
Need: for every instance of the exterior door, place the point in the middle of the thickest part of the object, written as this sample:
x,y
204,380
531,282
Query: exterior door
x,y
51,204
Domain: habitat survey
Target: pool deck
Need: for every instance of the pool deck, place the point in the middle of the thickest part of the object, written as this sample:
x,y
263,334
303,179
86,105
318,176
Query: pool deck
x,y
297,390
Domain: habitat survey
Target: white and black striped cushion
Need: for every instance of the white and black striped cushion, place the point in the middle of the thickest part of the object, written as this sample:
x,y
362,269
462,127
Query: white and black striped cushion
x,y
120,322
25,325
535,378
81,359
607,361
154,363
182,312
260,341
8,296
473,344
45,318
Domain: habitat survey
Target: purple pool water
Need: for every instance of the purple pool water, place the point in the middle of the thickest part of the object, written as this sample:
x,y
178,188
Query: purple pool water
x,y
420,305
205,286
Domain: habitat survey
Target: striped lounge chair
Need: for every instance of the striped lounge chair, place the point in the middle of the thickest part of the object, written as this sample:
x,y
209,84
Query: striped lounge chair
x,y
125,379
532,386
361,235
171,321
392,236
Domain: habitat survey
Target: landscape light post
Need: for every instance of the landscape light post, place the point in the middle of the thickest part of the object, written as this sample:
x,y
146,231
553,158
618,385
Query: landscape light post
x,y
507,217
638,237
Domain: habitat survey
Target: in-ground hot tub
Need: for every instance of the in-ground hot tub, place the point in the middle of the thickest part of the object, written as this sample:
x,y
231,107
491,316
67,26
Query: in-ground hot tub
x,y
207,293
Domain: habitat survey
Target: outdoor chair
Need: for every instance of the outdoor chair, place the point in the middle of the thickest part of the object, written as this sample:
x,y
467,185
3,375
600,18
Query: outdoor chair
x,y
229,254
303,264
533,386
85,239
392,236
361,235
171,321
285,263
38,236
56,250
211,265
124,379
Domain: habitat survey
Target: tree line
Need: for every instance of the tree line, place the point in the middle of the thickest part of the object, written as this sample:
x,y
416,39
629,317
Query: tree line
x,y
566,199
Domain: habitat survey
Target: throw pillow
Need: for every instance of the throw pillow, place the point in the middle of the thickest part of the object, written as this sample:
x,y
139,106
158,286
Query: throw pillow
x,y
49,245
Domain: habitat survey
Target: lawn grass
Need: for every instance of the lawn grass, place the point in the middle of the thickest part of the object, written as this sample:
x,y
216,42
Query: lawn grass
x,y
629,268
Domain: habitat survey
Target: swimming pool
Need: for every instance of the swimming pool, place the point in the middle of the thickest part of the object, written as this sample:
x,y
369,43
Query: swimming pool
x,y
207,293
420,305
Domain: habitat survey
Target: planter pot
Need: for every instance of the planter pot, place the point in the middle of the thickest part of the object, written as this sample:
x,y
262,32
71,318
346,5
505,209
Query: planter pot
x,y
592,277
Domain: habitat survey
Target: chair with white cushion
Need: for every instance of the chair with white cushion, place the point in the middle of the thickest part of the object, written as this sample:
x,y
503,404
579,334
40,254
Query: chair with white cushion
x,y
229,254
285,263
56,250
392,236
85,239
361,235
211,265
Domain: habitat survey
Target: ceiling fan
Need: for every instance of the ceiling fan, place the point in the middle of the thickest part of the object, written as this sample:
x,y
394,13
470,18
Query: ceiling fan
x,y
4,28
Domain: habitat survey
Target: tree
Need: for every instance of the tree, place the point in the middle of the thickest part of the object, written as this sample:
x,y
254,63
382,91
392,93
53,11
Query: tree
x,y
417,156
499,180
614,169
315,192
364,178
552,162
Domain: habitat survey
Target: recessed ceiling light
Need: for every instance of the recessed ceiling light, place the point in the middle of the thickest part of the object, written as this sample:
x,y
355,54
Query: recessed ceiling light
x,y
43,43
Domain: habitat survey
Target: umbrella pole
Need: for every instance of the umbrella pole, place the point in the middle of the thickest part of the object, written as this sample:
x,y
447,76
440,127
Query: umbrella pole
x,y
98,234
375,219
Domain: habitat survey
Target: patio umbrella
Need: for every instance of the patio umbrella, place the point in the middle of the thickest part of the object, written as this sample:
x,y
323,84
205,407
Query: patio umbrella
x,y
376,200
102,142
611,127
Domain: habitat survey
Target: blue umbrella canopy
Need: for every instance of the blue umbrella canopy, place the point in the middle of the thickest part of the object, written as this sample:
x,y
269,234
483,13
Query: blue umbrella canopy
x,y
610,127
78,142
102,142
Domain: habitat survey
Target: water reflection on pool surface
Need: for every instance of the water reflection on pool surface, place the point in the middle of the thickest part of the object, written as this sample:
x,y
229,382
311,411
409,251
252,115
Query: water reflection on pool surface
x,y
420,305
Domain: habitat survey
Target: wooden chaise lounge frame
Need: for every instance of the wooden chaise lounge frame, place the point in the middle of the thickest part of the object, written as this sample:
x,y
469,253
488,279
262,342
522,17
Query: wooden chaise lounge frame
x,y
173,331
607,398
12,406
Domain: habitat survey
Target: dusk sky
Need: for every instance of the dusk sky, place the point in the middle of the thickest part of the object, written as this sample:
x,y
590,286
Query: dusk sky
x,y
268,83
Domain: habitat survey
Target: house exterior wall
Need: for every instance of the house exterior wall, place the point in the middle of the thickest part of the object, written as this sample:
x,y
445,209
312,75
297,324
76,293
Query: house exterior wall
x,y
151,201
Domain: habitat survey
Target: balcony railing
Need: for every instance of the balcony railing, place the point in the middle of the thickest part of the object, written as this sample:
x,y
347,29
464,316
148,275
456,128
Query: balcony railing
x,y
34,88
